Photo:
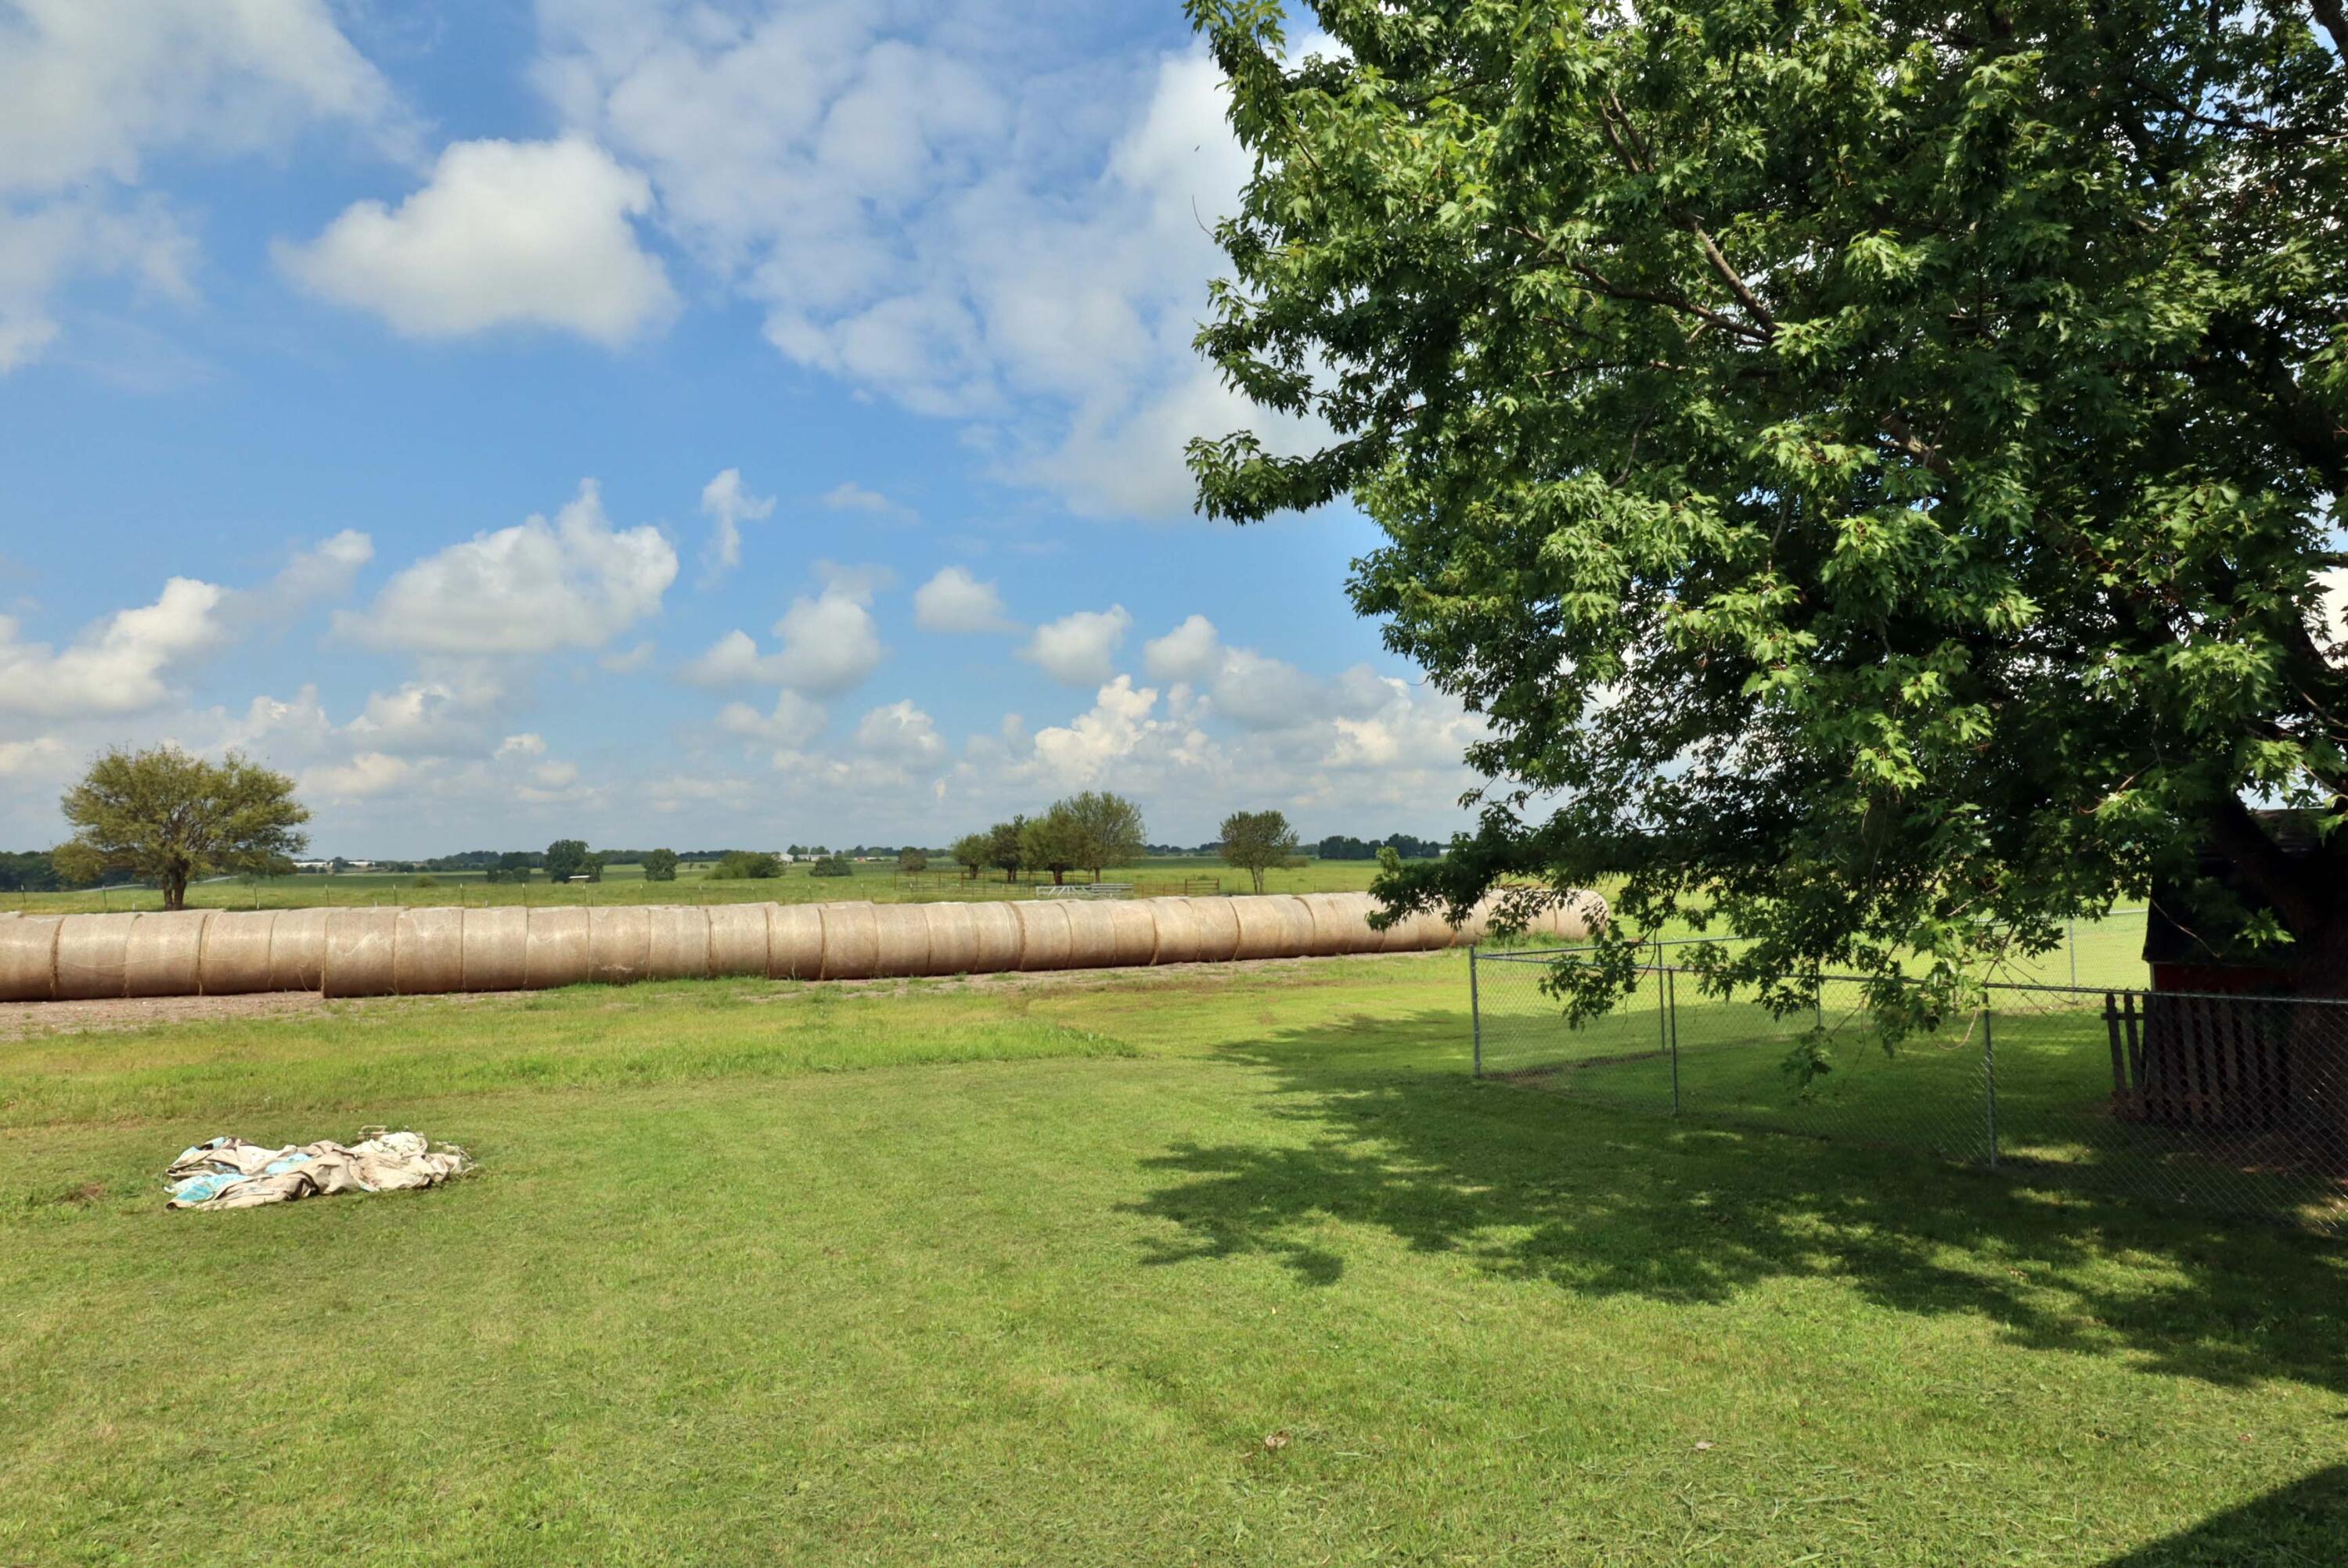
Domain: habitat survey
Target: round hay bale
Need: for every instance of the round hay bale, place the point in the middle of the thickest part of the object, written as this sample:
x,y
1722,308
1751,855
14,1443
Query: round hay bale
x,y
559,949
1579,916
1092,935
619,945
900,940
1175,926
795,936
1421,931
235,959
1044,939
1296,927
1134,932
93,956
680,943
738,938
28,958
297,951
1219,928
1263,933
1341,923
1001,938
953,938
851,942
497,949
362,946
164,955
428,952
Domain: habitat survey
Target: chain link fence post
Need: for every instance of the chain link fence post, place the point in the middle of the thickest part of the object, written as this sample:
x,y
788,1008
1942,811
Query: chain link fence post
x,y
1475,1010
1671,991
1989,1076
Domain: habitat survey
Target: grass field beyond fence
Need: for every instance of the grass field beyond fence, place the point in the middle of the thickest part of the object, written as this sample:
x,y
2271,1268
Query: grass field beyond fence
x,y
1234,1265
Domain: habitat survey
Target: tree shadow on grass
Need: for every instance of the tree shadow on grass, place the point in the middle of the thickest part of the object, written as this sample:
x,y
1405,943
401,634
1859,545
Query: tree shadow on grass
x,y
1603,1202
2293,1525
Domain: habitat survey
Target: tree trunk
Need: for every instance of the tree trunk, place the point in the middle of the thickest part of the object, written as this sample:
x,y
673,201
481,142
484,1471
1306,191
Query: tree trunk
x,y
1059,876
175,890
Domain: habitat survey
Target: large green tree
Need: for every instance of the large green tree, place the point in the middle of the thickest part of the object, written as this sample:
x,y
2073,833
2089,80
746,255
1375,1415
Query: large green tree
x,y
169,818
1872,462
1258,841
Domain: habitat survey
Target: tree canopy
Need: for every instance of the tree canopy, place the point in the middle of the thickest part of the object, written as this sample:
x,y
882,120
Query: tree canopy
x,y
171,817
1108,830
660,865
1257,842
1872,464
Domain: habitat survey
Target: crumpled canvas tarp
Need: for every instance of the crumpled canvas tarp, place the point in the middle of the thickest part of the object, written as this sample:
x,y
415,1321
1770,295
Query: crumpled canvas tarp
x,y
230,1173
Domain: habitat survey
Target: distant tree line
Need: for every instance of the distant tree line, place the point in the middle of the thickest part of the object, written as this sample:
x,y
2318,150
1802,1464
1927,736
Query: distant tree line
x,y
1337,846
1087,831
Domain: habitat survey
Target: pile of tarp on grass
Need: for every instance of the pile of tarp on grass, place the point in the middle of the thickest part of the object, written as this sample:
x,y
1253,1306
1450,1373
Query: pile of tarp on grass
x,y
230,1173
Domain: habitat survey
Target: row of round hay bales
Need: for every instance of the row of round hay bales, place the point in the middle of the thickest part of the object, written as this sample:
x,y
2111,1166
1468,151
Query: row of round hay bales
x,y
427,951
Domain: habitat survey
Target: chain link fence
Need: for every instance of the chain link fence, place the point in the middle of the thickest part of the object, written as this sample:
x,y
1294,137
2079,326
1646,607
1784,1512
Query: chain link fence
x,y
2237,1104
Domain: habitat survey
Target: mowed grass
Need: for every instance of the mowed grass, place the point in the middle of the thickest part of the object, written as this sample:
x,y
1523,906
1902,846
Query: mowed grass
x,y
1219,1266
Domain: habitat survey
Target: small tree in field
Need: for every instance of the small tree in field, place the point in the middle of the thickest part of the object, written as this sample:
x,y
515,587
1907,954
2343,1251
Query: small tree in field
x,y
1054,843
566,858
912,862
171,817
1108,830
970,852
1257,841
660,865
1006,848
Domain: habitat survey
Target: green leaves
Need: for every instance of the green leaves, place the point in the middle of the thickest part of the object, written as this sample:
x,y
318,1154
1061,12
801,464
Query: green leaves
x,y
1790,417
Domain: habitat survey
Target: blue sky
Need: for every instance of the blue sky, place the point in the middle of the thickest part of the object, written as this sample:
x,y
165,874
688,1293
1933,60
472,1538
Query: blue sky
x,y
380,383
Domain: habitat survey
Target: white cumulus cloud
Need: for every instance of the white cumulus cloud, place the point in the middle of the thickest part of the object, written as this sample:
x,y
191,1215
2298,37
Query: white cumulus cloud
x,y
507,233
727,503
1079,649
954,600
539,586
121,665
903,734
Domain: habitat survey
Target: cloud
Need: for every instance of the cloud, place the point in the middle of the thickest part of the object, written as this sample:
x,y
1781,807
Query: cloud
x,y
575,582
729,504
527,744
830,644
507,233
902,734
318,575
929,214
90,89
366,776
852,497
794,722
953,601
43,756
1077,650
1252,689
119,665
433,718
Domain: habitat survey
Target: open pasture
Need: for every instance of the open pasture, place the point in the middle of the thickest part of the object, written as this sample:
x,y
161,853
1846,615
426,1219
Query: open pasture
x,y
1231,1265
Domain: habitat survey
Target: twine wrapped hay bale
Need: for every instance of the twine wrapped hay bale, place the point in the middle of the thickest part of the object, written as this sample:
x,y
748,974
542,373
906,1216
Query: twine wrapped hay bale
x,y
1000,939
164,955
28,957
1263,933
619,946
561,947
93,956
738,938
680,943
851,942
297,951
235,957
1092,935
1042,936
901,934
428,952
953,938
795,941
1176,926
1219,928
1134,929
497,949
361,945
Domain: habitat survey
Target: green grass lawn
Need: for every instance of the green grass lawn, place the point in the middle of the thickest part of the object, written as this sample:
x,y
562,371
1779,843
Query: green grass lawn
x,y
1215,1267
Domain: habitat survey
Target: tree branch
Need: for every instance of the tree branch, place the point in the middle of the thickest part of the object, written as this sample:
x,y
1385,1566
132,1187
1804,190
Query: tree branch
x,y
2335,17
